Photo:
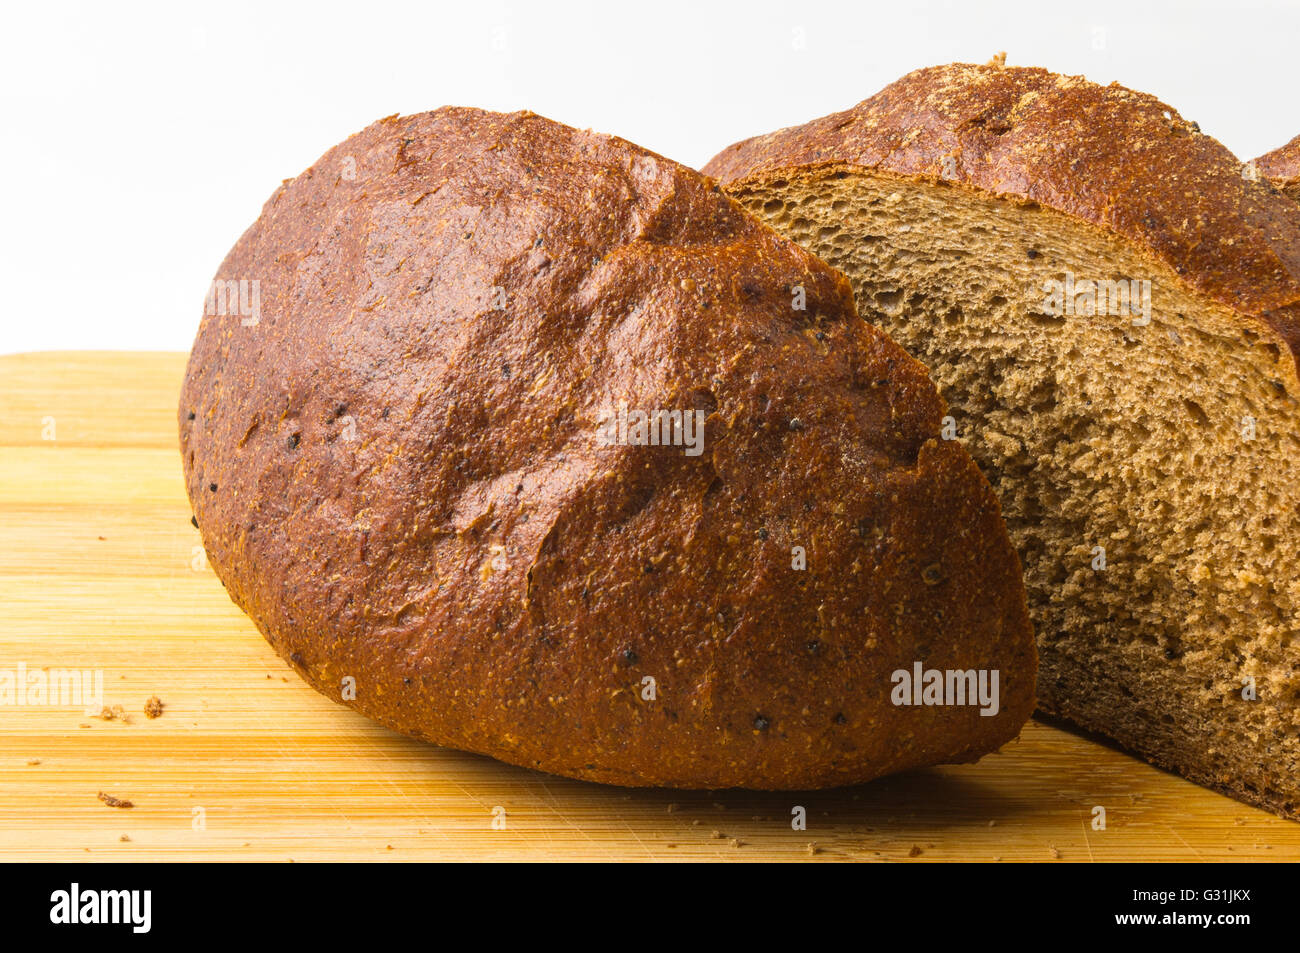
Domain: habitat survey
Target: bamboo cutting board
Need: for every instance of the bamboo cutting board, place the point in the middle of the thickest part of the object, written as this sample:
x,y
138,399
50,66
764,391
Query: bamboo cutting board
x,y
100,570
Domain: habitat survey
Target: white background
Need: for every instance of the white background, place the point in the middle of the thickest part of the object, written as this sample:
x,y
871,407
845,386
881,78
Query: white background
x,y
140,141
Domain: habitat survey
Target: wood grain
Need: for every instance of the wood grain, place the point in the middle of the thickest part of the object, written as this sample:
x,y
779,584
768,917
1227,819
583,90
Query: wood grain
x,y
99,571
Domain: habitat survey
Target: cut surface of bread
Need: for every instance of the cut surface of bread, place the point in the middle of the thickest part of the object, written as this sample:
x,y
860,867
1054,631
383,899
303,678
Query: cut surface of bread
x,y
1108,305
404,470
1282,168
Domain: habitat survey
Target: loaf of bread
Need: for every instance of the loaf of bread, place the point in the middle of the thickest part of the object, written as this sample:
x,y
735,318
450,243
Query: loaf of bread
x,y
1282,168
1109,305
530,442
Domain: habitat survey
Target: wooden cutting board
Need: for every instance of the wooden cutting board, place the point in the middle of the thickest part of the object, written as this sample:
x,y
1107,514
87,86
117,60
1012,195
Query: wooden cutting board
x,y
100,570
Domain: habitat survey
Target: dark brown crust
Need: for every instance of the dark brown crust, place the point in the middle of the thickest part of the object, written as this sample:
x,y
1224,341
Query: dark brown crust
x,y
1282,167
401,485
1117,159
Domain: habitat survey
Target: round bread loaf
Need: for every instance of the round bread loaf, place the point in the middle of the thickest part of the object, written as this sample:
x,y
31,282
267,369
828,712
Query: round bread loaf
x,y
416,428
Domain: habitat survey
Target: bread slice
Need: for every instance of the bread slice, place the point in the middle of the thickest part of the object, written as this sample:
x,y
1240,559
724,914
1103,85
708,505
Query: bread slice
x,y
1147,462
1282,168
420,470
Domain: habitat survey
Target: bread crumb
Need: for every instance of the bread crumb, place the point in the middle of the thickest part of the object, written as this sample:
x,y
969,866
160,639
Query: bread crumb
x,y
115,801
736,842
116,713
153,707
993,823
33,760
1056,854
999,60
673,808
124,838
813,849
716,835
915,851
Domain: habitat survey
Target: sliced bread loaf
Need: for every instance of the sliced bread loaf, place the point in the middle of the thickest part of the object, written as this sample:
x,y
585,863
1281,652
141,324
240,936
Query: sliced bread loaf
x,y
536,444
1109,305
1282,168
